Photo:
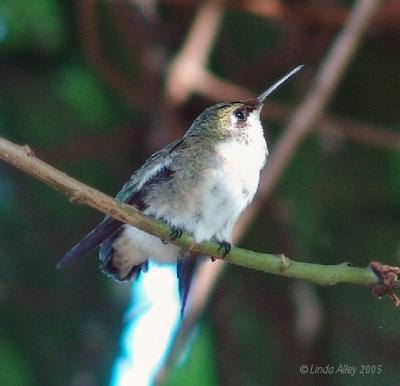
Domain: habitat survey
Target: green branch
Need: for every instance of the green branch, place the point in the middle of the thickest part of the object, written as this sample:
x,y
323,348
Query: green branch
x,y
374,276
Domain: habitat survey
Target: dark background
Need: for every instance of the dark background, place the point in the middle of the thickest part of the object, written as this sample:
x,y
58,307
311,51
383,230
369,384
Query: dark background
x,y
83,83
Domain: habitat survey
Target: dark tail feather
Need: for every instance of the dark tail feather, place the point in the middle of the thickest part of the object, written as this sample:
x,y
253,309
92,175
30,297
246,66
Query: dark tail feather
x,y
105,229
107,264
185,269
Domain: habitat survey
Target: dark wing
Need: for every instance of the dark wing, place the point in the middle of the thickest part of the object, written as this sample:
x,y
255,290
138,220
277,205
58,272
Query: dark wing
x,y
138,200
150,168
94,238
132,193
185,269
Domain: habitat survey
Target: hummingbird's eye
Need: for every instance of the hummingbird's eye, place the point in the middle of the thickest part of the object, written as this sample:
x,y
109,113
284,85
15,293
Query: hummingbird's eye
x,y
240,115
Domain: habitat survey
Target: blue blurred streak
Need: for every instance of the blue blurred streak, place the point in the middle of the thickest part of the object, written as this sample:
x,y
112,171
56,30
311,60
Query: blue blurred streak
x,y
153,316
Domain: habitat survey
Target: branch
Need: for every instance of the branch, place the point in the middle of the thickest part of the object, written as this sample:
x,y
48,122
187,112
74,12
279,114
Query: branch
x,y
93,49
23,158
315,15
325,83
187,70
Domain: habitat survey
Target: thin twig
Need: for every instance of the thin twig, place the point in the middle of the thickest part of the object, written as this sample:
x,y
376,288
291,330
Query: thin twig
x,y
309,14
94,50
186,70
364,133
24,159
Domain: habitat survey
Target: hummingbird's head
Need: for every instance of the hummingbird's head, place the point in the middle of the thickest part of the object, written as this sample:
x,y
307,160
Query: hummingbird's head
x,y
235,118
232,118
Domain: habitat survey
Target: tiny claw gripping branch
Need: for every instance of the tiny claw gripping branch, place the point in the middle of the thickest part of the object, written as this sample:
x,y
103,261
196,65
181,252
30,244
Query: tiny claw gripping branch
x,y
225,246
176,233
388,281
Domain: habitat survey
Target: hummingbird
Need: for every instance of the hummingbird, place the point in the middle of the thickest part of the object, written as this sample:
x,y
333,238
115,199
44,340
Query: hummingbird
x,y
199,184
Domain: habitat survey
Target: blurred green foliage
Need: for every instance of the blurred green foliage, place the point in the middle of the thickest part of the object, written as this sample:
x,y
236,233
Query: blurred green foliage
x,y
338,201
32,25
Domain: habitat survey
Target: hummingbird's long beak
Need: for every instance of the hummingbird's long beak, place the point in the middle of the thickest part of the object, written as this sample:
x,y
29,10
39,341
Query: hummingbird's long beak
x,y
261,99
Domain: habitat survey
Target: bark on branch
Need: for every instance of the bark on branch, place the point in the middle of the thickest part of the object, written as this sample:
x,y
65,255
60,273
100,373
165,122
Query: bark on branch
x,y
23,158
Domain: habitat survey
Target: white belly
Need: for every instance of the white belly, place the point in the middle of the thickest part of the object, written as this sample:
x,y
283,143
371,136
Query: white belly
x,y
218,200
238,181
226,191
136,246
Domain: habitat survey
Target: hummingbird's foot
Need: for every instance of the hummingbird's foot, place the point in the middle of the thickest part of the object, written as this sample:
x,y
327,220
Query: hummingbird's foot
x,y
176,233
225,246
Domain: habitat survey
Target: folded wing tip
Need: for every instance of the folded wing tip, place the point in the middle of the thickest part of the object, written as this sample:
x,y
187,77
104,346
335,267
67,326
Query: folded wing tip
x,y
93,239
65,262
